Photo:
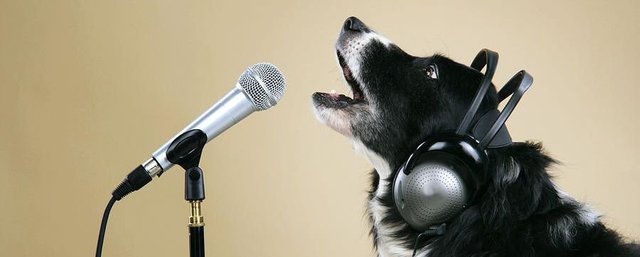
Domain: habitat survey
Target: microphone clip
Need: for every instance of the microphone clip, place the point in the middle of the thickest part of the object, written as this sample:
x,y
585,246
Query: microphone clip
x,y
186,149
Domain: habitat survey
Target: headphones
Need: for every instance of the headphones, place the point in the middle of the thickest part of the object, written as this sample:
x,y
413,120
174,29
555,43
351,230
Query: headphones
x,y
443,175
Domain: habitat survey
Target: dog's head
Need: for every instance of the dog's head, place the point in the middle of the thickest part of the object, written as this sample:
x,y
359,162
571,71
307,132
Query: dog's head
x,y
397,99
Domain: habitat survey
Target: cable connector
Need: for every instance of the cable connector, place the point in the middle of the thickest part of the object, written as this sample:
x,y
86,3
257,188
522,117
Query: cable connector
x,y
134,181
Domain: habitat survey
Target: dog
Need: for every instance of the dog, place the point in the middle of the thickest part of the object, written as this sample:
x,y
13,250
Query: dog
x,y
397,101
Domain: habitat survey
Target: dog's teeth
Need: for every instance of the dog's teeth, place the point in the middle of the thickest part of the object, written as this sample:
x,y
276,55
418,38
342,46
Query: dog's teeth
x,y
333,91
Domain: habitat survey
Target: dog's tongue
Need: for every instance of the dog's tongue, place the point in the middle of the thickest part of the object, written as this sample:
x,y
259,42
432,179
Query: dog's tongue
x,y
334,95
337,97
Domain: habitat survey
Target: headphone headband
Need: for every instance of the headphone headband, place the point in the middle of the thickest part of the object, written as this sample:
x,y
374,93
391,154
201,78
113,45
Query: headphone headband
x,y
516,87
490,59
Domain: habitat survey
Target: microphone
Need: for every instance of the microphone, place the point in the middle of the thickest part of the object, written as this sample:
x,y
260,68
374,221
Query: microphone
x,y
260,87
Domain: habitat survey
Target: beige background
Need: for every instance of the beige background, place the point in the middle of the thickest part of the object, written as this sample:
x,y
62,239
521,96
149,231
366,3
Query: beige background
x,y
90,88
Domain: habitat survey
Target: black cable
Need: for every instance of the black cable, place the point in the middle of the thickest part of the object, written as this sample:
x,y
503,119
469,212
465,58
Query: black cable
x,y
134,181
430,233
103,226
415,245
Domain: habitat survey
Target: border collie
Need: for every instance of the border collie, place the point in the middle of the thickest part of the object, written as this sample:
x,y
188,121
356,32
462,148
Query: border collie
x,y
397,101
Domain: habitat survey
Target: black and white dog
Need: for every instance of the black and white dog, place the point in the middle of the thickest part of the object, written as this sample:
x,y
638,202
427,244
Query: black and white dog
x,y
399,100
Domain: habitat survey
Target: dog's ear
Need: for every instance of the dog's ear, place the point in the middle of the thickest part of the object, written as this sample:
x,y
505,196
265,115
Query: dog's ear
x,y
519,186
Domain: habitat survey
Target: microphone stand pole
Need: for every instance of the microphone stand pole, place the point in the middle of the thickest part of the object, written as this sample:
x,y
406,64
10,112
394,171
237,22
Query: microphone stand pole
x,y
185,151
194,194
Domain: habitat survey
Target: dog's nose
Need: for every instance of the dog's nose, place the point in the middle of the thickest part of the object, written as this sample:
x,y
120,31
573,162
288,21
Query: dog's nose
x,y
354,24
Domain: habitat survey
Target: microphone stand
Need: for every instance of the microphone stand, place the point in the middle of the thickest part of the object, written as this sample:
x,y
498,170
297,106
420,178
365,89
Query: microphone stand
x,y
194,194
185,151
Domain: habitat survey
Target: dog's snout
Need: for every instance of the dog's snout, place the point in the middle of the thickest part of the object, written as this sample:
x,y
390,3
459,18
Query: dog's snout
x,y
354,24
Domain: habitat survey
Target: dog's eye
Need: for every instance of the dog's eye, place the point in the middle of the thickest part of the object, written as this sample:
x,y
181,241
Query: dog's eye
x,y
432,71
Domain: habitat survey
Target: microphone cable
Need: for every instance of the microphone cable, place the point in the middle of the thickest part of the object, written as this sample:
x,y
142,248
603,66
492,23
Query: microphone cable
x,y
103,226
134,181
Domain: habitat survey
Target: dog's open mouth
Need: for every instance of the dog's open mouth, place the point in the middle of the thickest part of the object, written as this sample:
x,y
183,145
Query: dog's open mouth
x,y
358,95
337,100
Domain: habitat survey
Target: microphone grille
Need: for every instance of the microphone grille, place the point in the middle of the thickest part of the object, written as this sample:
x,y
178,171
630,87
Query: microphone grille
x,y
264,85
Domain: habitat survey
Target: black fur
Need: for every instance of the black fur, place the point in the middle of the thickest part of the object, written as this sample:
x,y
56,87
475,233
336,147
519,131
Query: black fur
x,y
515,219
519,213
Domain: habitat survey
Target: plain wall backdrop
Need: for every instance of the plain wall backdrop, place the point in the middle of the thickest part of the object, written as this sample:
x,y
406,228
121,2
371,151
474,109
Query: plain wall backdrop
x,y
88,89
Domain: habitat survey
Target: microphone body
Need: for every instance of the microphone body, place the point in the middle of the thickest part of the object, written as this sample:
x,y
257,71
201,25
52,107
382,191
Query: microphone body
x,y
228,111
259,87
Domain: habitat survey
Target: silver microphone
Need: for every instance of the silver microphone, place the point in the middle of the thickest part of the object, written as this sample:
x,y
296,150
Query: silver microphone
x,y
260,87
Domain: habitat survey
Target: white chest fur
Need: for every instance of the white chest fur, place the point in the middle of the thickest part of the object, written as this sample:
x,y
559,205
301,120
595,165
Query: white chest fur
x,y
387,244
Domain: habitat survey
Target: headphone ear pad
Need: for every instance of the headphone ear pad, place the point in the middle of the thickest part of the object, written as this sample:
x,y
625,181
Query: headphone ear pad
x,y
433,190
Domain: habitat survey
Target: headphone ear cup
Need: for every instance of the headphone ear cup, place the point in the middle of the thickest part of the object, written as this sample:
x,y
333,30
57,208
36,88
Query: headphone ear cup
x,y
433,190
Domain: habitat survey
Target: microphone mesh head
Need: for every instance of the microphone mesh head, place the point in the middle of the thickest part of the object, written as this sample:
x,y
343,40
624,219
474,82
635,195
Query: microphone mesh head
x,y
264,85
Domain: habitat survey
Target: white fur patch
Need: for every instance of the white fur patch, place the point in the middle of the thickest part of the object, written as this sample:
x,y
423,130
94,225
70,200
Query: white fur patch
x,y
564,229
586,214
380,38
379,163
388,244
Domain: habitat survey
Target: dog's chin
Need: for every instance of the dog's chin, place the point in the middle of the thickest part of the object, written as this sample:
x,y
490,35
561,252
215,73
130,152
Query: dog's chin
x,y
336,119
338,111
